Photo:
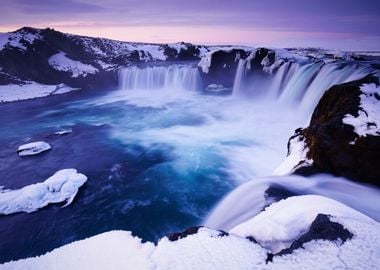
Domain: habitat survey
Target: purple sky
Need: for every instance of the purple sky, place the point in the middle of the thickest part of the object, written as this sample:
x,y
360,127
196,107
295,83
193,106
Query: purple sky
x,y
345,24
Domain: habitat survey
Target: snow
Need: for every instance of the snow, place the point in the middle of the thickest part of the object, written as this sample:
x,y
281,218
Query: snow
x,y
296,157
178,46
30,90
14,39
208,249
368,120
283,222
205,62
61,62
60,187
33,148
111,250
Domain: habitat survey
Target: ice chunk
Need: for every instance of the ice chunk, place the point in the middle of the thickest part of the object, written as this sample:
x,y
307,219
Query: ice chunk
x,y
62,186
33,148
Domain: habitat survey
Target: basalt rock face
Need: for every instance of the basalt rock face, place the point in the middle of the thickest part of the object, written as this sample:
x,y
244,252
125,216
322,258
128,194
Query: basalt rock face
x,y
220,67
335,147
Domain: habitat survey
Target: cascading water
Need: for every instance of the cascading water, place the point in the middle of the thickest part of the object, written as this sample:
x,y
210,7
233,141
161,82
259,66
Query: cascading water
x,y
239,77
179,77
295,83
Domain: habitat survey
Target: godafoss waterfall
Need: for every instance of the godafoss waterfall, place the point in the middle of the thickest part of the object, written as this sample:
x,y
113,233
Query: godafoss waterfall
x,y
177,145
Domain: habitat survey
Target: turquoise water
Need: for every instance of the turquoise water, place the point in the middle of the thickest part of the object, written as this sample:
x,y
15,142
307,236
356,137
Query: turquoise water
x,y
157,161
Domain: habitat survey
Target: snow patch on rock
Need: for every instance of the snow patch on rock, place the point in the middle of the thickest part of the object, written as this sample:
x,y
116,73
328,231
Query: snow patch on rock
x,y
61,62
297,157
368,120
60,187
33,148
18,39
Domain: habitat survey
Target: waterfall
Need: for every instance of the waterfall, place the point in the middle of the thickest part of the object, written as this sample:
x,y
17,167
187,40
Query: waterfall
x,y
178,77
239,77
298,84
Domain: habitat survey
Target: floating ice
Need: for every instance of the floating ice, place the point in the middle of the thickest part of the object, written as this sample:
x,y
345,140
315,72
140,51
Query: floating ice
x,y
33,148
62,186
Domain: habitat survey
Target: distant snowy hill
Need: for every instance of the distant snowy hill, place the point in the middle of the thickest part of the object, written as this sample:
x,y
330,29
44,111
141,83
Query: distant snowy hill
x,y
49,57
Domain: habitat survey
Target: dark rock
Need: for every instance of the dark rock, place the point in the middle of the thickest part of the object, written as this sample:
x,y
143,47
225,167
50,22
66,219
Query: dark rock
x,y
252,239
223,67
224,64
176,236
269,258
321,229
329,139
278,192
192,230
256,62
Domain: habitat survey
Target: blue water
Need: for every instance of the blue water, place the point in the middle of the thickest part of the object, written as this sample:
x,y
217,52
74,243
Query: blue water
x,y
157,162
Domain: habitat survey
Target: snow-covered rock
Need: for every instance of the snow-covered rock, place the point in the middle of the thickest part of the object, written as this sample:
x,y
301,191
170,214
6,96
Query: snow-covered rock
x,y
297,156
33,148
61,62
20,39
283,222
211,249
368,120
60,187
343,136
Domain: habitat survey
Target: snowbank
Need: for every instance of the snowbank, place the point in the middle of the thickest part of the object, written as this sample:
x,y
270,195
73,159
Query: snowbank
x,y
283,222
210,249
62,186
33,148
30,90
61,62
368,120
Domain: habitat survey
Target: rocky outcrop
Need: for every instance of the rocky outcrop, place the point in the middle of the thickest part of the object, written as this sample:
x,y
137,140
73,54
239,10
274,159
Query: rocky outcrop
x,y
336,147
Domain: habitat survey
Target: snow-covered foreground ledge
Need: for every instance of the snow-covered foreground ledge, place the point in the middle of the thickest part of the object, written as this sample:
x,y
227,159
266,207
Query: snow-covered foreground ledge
x,y
60,187
30,90
210,249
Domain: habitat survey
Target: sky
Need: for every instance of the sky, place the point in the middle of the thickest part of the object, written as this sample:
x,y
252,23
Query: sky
x,y
336,24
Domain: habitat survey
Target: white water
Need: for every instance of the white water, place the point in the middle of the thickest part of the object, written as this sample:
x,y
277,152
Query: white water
x,y
179,77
